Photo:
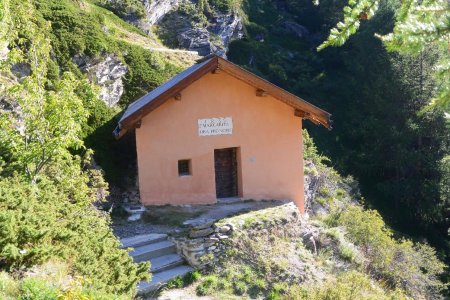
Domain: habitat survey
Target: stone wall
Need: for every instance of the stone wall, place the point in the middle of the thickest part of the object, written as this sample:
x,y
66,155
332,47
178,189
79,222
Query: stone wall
x,y
204,243
206,240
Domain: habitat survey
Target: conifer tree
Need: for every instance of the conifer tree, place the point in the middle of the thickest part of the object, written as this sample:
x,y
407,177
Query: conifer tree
x,y
419,26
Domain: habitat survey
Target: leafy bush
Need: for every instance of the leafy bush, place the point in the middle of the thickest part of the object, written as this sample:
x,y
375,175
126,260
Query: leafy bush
x,y
46,190
50,282
73,31
147,70
183,281
192,277
310,152
37,289
193,12
224,5
349,285
125,8
9,288
207,286
347,252
402,264
39,222
277,291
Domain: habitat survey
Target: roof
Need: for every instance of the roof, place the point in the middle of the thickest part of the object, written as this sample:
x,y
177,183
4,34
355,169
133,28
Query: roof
x,y
144,105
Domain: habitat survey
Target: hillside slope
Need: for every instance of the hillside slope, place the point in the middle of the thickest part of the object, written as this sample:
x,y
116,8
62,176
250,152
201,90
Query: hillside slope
x,y
381,134
338,250
90,64
121,59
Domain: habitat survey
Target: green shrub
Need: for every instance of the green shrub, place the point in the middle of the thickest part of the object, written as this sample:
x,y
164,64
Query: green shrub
x,y
47,191
51,281
193,12
239,288
401,264
224,5
74,31
334,233
39,222
192,277
9,288
347,252
37,289
349,285
147,70
257,288
310,152
175,283
208,285
277,291
124,8
180,282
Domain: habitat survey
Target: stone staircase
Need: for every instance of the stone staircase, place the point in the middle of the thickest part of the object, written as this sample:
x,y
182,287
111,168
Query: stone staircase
x,y
166,264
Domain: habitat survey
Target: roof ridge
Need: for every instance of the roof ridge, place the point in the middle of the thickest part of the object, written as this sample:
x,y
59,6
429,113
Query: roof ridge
x,y
147,103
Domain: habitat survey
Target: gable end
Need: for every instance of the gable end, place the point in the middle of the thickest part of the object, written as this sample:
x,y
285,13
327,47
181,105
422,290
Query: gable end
x,y
146,104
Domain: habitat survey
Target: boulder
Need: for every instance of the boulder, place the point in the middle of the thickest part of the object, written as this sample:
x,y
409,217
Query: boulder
x,y
196,39
224,229
310,236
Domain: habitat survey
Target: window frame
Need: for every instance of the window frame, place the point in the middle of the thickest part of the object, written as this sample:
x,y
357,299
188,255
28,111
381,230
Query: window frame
x,y
188,163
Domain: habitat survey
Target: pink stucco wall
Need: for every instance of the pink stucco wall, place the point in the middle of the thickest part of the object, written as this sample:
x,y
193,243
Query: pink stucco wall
x,y
265,130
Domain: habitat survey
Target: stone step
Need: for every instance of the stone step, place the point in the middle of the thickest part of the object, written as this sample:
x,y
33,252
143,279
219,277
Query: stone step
x,y
161,278
143,239
165,262
147,252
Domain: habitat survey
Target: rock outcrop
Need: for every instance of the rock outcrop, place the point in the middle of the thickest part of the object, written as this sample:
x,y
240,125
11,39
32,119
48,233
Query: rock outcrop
x,y
21,70
198,39
107,72
227,27
155,10
215,38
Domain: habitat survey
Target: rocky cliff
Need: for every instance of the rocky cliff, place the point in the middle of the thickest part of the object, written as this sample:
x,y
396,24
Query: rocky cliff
x,y
212,36
106,71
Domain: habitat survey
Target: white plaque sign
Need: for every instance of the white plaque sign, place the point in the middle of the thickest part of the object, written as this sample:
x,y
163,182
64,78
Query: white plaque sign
x,y
215,126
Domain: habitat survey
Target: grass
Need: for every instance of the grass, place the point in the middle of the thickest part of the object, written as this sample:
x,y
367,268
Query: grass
x,y
252,218
347,253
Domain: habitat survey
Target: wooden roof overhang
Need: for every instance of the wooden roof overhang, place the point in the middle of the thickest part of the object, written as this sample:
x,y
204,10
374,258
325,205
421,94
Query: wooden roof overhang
x,y
171,89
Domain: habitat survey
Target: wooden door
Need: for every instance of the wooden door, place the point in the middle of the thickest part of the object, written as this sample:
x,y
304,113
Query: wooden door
x,y
225,165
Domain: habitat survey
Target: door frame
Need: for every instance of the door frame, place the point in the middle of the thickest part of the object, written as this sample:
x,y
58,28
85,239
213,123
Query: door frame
x,y
238,171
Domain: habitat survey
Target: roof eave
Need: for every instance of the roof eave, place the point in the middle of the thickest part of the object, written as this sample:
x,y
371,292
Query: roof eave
x,y
315,114
129,121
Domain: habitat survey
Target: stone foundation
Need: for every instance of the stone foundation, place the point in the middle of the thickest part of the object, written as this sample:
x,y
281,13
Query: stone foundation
x,y
205,243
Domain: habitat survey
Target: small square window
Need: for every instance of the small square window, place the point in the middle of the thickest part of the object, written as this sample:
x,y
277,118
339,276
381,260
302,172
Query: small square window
x,y
184,167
